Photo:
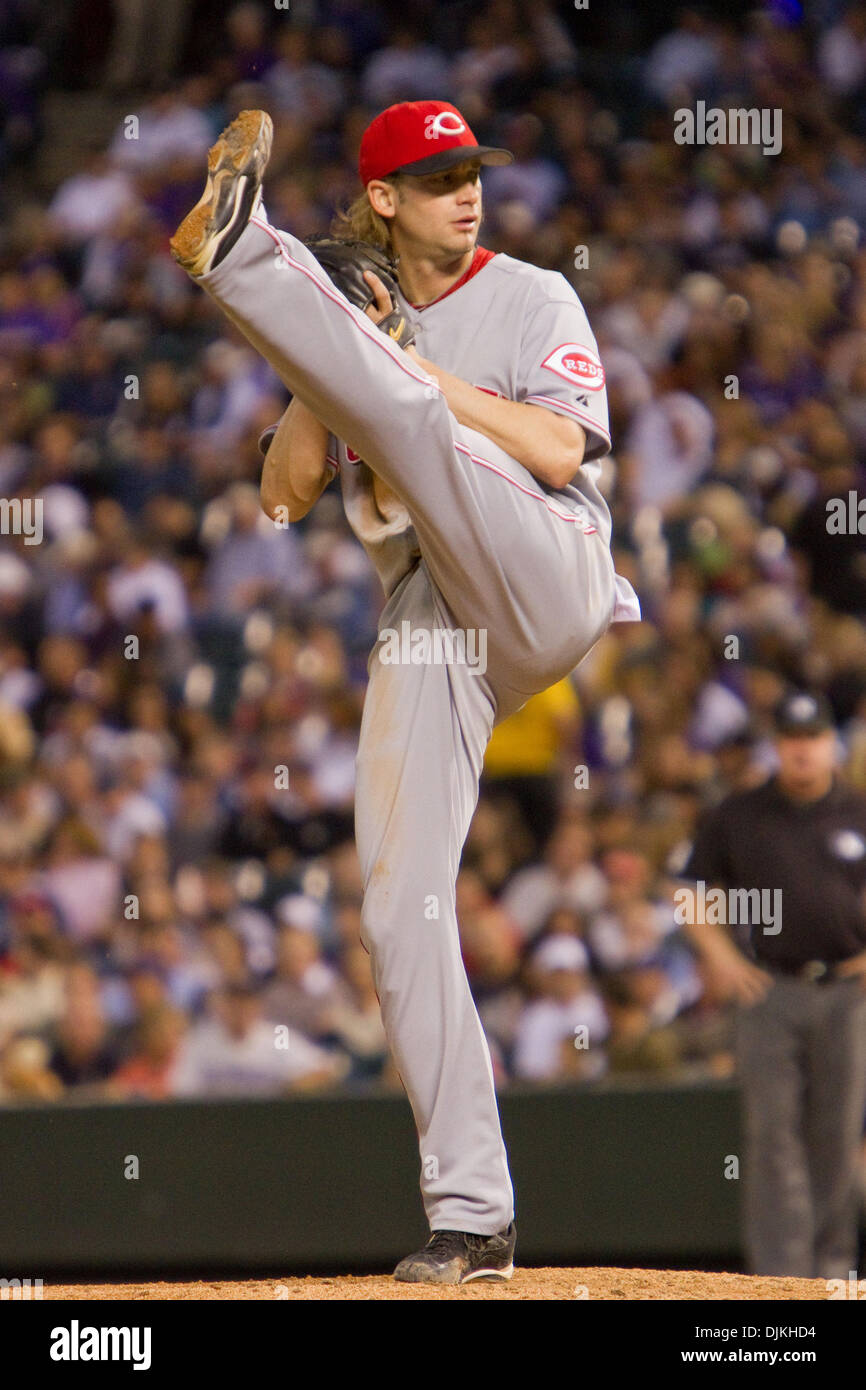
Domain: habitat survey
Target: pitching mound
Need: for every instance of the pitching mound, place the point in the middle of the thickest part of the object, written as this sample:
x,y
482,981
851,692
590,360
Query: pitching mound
x,y
598,1284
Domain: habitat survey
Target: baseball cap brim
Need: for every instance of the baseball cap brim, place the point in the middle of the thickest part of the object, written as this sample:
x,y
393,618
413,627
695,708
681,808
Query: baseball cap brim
x,y
459,154
786,728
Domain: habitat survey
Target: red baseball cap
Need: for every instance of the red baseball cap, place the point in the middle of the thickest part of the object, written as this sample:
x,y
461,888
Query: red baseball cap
x,y
420,137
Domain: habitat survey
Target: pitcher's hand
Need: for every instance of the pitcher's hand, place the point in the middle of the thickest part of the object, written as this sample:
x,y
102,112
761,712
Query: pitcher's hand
x,y
383,306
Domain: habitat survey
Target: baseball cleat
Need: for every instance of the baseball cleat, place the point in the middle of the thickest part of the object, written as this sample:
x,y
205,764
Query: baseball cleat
x,y
236,166
458,1257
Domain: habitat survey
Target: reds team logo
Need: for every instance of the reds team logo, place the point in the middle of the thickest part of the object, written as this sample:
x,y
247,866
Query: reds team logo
x,y
578,364
443,123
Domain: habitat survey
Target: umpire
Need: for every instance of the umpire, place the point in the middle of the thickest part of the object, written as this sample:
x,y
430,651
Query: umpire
x,y
798,975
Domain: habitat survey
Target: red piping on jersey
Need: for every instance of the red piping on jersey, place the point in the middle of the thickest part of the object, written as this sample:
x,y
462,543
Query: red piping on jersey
x,y
539,496
479,261
572,410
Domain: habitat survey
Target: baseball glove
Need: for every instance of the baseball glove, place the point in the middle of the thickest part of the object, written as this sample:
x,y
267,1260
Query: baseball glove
x,y
345,262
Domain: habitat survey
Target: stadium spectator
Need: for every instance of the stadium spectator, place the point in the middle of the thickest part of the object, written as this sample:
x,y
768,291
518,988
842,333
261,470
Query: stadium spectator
x,y
238,1053
305,988
144,1075
566,877
728,289
525,755
91,202
355,1023
404,70
83,1052
568,1016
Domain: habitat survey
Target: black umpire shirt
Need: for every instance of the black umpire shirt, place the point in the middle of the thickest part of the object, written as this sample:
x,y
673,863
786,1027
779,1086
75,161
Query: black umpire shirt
x,y
814,852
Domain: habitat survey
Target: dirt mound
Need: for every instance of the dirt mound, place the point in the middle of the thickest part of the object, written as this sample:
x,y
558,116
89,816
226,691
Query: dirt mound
x,y
604,1284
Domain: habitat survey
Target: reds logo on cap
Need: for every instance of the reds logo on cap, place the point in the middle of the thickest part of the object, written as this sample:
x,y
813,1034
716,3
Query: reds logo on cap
x,y
401,138
445,123
575,363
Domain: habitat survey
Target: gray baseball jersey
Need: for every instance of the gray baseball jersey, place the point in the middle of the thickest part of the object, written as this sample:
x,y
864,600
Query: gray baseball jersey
x,y
519,332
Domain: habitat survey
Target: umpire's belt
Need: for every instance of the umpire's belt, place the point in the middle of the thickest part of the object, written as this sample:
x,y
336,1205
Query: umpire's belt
x,y
816,972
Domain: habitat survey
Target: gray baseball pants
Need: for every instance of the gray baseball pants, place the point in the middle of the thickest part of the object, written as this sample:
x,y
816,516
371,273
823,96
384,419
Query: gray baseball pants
x,y
801,1055
499,557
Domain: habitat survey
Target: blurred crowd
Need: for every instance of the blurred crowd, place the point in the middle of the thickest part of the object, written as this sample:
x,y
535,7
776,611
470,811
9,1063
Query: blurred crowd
x,y
181,682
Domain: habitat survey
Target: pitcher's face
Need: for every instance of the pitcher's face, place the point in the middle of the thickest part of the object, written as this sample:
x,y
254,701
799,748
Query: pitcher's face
x,y
438,215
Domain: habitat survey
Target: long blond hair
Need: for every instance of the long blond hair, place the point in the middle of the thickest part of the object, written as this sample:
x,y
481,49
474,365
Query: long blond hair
x,y
359,221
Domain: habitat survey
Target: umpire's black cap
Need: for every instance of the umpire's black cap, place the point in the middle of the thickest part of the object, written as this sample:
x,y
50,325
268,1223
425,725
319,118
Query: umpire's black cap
x,y
802,713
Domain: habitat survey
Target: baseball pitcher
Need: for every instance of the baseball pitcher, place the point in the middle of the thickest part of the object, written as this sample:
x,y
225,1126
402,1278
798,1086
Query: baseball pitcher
x,y
459,396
